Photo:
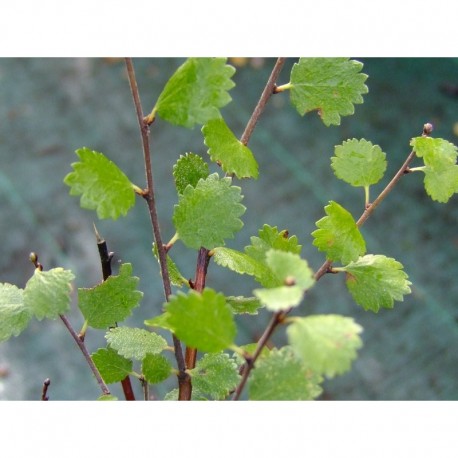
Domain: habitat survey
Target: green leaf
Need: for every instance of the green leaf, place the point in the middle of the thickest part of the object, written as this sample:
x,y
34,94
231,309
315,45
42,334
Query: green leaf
x,y
156,368
293,277
359,162
176,278
238,262
434,151
112,300
189,169
202,320
225,149
441,182
215,375
135,343
376,281
14,316
269,237
102,185
160,321
112,367
281,376
280,298
47,293
441,171
338,235
244,305
330,86
107,397
250,349
196,91
209,213
327,344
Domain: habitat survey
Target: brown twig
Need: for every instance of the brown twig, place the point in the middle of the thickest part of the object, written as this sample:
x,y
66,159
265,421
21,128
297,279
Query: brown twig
x,y
44,392
278,317
149,196
105,261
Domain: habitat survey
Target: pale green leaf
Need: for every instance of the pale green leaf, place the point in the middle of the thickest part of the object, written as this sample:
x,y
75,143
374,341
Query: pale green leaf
x,y
225,149
160,321
327,344
376,281
250,349
135,343
209,213
196,91
107,397
14,316
330,85
338,235
111,301
282,376
47,293
270,237
101,184
434,151
215,375
189,169
359,162
244,305
280,298
441,182
202,320
156,368
112,366
290,269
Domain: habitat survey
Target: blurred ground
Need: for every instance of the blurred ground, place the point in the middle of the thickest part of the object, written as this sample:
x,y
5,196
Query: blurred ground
x,y
50,107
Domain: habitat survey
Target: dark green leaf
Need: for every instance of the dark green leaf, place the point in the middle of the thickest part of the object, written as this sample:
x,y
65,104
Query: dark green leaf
x,y
112,366
156,368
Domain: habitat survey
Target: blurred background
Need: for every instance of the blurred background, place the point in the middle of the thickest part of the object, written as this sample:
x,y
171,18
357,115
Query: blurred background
x,y
51,107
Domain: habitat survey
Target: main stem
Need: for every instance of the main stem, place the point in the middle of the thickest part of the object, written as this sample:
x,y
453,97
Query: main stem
x,y
149,196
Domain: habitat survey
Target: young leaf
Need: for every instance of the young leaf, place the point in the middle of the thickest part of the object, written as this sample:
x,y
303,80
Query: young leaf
x,y
238,262
269,237
176,278
14,316
359,162
327,344
196,91
281,376
107,397
160,321
242,305
280,298
195,396
135,343
156,368
112,366
110,301
47,293
209,213
376,281
330,86
441,171
441,182
102,185
338,235
225,149
215,375
189,169
202,320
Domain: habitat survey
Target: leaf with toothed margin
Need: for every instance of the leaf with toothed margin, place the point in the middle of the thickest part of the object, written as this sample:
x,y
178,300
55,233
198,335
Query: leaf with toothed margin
x,y
196,91
225,149
111,301
112,367
102,185
14,316
189,169
330,85
209,213
156,368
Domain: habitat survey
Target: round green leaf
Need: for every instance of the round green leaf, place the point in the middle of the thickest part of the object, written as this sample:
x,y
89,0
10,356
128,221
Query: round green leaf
x,y
112,366
189,169
14,316
156,368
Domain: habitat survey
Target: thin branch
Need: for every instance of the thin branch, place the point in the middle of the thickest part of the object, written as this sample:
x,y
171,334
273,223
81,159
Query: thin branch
x,y
268,91
325,268
44,392
86,354
149,196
